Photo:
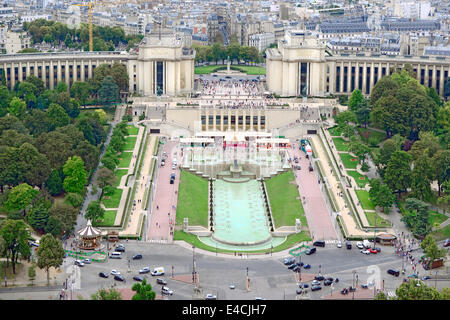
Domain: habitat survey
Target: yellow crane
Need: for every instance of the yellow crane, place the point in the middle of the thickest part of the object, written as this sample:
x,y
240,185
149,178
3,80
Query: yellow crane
x,y
90,5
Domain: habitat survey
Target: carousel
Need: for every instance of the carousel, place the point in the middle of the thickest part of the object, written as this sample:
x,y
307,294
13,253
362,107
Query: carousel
x,y
89,238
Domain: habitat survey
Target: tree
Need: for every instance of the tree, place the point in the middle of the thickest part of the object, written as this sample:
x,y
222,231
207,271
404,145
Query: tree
x,y
58,116
17,107
37,122
65,216
12,138
50,253
38,217
416,289
35,165
417,219
54,183
109,91
15,237
345,118
5,99
89,154
48,143
74,199
20,197
388,148
381,296
143,291
355,99
381,195
32,273
105,177
363,112
421,177
75,175
119,73
102,116
103,294
398,172
80,90
94,211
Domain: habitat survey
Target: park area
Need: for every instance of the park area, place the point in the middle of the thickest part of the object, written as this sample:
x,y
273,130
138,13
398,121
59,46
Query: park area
x,y
192,200
284,200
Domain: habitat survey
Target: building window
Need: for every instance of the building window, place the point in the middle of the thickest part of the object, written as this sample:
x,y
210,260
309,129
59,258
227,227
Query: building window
x,y
203,120
218,120
159,78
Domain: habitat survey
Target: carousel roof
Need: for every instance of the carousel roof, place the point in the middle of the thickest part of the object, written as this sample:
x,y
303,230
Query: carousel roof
x,y
89,231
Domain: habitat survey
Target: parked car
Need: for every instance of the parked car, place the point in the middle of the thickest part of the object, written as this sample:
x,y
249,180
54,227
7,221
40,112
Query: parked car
x,y
315,288
336,280
166,290
394,272
330,279
320,278
296,268
103,275
327,282
115,272
87,261
299,291
119,277
310,251
344,291
365,251
378,249
307,266
210,296
232,286
315,283
79,263
292,266
349,245
339,244
319,243
364,286
120,249
161,281
425,278
144,270
351,289
372,250
288,261
298,167
138,278
305,285
447,242
359,245
413,275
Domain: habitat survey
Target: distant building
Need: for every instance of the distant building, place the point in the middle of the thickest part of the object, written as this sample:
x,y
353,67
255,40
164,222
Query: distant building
x,y
261,41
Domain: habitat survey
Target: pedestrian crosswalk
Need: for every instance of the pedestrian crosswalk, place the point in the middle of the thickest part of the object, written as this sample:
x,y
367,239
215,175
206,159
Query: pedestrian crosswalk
x,y
331,241
390,293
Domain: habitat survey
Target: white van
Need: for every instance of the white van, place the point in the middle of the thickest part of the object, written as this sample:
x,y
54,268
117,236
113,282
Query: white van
x,y
158,271
115,255
367,244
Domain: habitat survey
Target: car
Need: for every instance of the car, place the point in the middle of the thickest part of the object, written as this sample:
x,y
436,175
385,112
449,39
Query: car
x,y
288,261
299,291
336,280
425,278
298,167
103,275
171,181
119,277
304,285
315,288
413,275
144,270
120,249
310,251
359,245
377,248
365,251
232,286
210,296
330,279
446,242
344,291
161,281
307,266
394,272
292,266
300,264
319,278
315,283
296,160
259,298
327,282
372,250
137,256
115,272
364,286
349,245
79,263
163,163
319,243
339,244
351,289
87,261
33,244
174,166
166,290
296,268
138,278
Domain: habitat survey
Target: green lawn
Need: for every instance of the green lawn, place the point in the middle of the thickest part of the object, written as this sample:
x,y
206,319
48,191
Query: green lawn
x,y
192,200
282,196
341,144
441,234
132,130
360,179
436,217
366,134
130,142
125,159
251,70
335,131
380,222
364,199
348,161
108,219
119,173
113,199
291,241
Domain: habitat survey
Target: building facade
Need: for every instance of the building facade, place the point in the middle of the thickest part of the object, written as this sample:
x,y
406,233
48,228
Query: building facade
x,y
301,65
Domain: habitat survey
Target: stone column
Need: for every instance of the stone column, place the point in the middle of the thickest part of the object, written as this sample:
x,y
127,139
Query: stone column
x,y
90,69
82,70
27,71
341,78
20,72
51,82
372,69
58,72
75,67
349,77
433,77
441,82
426,76
13,76
44,74
36,69
67,74
357,76
418,72
364,82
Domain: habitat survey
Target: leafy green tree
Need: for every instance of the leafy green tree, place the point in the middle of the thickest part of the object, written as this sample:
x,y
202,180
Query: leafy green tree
x,y
74,199
143,291
428,145
75,175
417,219
61,87
50,253
109,91
37,122
345,118
398,172
15,237
80,90
54,183
119,73
35,165
381,296
103,294
440,163
94,211
58,116
53,226
381,195
12,138
89,154
355,99
20,198
38,217
105,177
5,99
416,289
66,216
47,143
363,112
17,107
421,177
32,273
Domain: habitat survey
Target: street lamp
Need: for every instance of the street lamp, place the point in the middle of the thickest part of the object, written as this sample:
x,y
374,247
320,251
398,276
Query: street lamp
x,y
193,265
353,297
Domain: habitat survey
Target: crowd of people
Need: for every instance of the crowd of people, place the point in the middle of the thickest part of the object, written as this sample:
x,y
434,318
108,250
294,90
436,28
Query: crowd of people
x,y
227,87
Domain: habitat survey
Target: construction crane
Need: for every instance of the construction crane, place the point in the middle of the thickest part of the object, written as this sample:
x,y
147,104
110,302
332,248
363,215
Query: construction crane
x,y
90,5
